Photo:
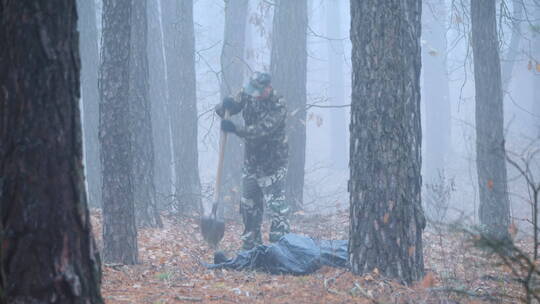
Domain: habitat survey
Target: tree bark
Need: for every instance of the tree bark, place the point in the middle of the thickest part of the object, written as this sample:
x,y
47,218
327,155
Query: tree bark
x,y
490,152
90,98
159,92
336,79
48,252
386,217
233,69
146,212
436,89
180,54
117,159
288,67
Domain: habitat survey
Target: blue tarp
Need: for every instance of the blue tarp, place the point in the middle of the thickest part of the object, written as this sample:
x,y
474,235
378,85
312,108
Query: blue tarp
x,y
292,254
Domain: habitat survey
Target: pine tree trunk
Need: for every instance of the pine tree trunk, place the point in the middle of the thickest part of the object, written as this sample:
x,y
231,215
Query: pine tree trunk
x,y
336,79
159,92
288,67
48,252
233,69
146,211
386,217
536,72
180,54
90,98
490,152
117,159
436,89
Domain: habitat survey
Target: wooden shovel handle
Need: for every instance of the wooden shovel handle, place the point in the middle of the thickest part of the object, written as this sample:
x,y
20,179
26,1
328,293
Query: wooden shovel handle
x,y
222,143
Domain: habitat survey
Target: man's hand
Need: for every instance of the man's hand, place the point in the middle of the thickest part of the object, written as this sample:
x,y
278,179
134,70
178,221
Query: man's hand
x,y
229,104
228,126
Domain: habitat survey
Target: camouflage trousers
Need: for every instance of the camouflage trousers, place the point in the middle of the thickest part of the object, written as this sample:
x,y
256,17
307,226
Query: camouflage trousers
x,y
256,192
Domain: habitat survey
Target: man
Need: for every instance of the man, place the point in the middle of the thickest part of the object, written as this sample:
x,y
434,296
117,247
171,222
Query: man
x,y
265,160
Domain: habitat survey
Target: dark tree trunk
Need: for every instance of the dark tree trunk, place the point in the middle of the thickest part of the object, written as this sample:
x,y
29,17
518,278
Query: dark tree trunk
x,y
158,99
490,153
90,98
117,160
436,89
141,122
386,212
180,54
48,252
338,135
288,67
233,69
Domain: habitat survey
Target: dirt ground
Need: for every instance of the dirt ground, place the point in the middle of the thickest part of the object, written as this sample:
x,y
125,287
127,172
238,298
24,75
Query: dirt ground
x,y
170,271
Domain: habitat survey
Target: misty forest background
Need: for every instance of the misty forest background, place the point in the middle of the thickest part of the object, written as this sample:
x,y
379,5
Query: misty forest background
x,y
448,107
402,115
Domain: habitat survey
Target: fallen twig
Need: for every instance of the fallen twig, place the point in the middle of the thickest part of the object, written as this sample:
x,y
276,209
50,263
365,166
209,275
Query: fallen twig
x,y
190,299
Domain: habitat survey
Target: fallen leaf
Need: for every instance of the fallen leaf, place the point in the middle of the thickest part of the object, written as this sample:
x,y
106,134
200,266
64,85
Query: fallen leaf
x,y
428,281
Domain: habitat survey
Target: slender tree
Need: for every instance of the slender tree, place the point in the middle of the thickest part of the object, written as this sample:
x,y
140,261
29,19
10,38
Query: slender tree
x,y
90,98
180,53
288,67
386,217
436,90
490,152
48,252
233,69
159,91
117,160
513,47
536,70
141,122
336,79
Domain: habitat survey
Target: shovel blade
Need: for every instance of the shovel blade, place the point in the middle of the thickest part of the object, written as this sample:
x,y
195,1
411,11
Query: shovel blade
x,y
212,230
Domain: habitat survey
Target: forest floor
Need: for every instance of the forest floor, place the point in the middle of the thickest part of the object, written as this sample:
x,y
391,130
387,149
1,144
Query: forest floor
x,y
170,271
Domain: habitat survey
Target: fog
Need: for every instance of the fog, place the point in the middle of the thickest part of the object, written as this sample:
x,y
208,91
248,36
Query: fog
x,y
269,151
328,84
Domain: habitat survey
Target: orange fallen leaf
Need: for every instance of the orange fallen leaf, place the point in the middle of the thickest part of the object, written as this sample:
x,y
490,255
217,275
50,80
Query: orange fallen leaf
x,y
490,184
428,281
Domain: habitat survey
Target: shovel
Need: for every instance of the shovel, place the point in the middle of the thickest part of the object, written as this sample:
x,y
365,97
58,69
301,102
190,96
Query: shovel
x,y
212,228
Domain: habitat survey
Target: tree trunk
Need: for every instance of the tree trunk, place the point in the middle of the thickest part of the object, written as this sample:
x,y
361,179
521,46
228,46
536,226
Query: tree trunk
x,y
490,153
146,212
180,54
536,72
436,89
117,159
48,252
233,69
386,217
336,79
159,92
90,98
513,47
288,67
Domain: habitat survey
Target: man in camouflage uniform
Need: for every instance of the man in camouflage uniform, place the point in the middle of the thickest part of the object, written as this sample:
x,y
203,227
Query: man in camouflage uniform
x,y
266,153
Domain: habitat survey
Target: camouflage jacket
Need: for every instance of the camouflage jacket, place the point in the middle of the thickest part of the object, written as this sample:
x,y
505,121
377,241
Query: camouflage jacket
x,y
264,134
